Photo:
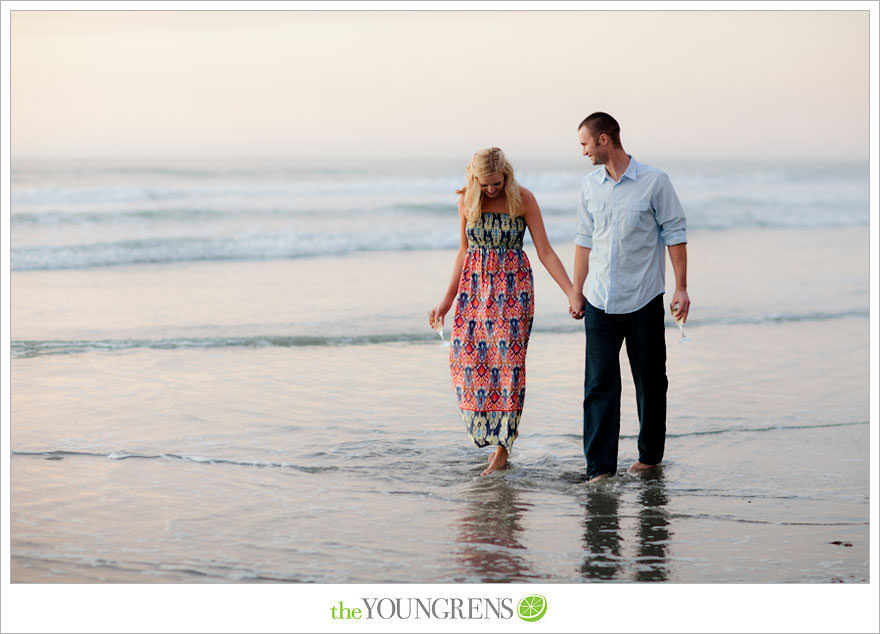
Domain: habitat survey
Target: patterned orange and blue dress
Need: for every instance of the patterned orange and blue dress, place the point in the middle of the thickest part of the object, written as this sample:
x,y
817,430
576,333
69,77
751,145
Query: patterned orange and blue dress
x,y
490,332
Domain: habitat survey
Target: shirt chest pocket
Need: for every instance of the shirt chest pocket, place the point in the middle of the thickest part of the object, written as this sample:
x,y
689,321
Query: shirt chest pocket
x,y
600,214
639,215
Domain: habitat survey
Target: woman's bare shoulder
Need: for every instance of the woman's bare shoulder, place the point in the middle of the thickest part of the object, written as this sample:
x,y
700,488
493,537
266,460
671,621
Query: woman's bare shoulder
x,y
528,197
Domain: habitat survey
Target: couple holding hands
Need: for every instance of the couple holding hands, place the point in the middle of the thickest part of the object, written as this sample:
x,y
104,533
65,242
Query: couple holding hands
x,y
628,217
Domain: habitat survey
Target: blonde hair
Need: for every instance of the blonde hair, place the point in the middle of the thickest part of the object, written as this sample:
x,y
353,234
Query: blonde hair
x,y
483,163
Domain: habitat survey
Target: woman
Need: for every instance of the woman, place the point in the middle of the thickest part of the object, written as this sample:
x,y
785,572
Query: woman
x,y
492,281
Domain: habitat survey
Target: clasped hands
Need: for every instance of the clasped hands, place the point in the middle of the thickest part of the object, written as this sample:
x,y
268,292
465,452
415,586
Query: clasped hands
x,y
577,304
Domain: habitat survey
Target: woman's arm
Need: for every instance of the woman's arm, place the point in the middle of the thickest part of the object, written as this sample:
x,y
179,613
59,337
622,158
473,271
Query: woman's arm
x,y
546,253
439,311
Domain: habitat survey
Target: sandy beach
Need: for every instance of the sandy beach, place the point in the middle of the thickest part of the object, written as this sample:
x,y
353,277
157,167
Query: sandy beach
x,y
148,448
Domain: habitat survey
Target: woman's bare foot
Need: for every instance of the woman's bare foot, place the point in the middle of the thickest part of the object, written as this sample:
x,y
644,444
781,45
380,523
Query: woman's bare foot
x,y
497,461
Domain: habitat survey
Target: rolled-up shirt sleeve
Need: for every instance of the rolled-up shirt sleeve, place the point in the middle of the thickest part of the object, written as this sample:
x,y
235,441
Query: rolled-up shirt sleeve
x,y
669,213
584,235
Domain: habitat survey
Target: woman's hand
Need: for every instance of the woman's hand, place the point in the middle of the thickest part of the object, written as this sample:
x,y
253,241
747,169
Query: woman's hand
x,y
438,313
577,304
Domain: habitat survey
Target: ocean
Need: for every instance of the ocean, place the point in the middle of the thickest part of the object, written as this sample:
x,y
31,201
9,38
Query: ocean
x,y
222,372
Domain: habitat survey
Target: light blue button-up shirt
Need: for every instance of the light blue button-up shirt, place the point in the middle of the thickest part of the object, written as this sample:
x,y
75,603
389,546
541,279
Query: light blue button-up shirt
x,y
627,225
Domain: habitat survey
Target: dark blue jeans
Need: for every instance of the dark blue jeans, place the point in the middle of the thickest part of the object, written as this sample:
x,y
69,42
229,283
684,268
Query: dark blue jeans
x,y
644,333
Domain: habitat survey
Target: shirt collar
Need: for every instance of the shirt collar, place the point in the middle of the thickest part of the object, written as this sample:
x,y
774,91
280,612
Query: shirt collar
x,y
632,171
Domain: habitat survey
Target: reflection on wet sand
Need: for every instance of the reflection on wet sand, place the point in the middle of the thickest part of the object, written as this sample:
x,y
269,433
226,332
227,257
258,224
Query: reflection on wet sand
x,y
602,533
654,532
490,532
604,541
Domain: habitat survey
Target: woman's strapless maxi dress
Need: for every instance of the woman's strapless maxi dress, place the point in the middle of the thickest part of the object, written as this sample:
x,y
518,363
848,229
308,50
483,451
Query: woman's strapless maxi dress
x,y
490,332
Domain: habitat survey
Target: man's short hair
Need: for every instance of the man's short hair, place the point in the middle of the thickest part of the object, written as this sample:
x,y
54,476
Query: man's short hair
x,y
600,123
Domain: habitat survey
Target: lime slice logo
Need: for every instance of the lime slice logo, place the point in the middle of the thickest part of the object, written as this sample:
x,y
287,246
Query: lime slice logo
x,y
532,608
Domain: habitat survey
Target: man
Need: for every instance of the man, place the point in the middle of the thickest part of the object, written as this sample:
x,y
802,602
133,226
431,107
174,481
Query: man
x,y
627,213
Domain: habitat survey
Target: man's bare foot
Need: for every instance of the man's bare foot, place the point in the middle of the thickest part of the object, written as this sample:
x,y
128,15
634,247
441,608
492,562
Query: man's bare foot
x,y
497,461
639,467
599,478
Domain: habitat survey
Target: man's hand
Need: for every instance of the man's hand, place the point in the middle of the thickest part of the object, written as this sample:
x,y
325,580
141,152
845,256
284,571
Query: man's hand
x,y
577,304
680,305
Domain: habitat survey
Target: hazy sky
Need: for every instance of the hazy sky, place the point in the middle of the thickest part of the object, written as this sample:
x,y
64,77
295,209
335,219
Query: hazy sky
x,y
739,84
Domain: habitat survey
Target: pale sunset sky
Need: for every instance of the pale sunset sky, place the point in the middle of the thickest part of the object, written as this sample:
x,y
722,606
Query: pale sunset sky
x,y
739,84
